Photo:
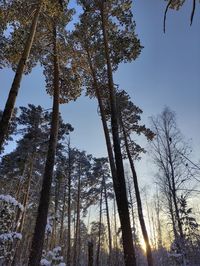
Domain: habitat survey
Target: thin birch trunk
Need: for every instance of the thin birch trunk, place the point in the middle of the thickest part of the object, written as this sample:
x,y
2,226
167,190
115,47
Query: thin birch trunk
x,y
181,240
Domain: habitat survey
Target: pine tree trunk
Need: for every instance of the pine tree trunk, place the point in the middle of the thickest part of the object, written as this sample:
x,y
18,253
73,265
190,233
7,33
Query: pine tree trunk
x,y
149,220
19,185
106,131
154,230
10,103
20,225
41,221
54,233
108,222
133,216
69,210
103,119
63,213
115,241
138,199
115,224
76,256
100,222
159,231
90,253
26,198
120,186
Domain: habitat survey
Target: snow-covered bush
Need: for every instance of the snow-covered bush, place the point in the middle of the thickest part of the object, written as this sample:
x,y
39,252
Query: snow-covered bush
x,y
48,229
9,209
52,258
12,201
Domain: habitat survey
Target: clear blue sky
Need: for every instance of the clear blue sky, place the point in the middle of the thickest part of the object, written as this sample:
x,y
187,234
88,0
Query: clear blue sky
x,y
166,73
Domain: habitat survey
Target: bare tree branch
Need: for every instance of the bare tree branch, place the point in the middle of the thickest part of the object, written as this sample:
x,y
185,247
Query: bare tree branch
x,y
193,10
165,15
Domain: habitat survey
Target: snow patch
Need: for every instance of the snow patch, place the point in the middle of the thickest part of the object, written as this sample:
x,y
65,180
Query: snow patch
x,y
10,236
57,249
9,199
175,255
45,262
48,229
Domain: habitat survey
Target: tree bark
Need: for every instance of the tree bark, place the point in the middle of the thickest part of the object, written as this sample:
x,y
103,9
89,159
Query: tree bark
x,y
133,215
10,103
90,253
76,256
39,233
106,134
181,241
100,222
19,228
103,119
119,186
138,199
63,214
159,231
174,190
108,222
69,209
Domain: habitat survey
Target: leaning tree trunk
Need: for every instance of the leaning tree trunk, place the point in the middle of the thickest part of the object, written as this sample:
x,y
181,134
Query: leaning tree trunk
x,y
9,107
120,187
107,137
138,199
103,118
39,233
